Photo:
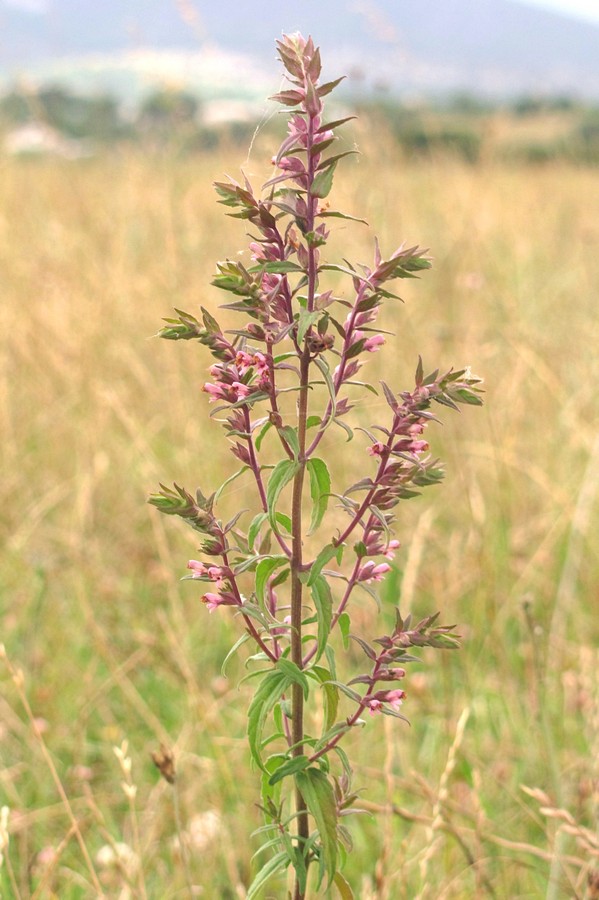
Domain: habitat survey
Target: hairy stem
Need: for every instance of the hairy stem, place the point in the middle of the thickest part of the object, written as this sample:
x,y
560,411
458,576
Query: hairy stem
x,y
303,829
297,697
255,467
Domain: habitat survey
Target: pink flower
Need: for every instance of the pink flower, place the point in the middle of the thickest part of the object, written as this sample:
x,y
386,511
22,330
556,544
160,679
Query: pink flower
x,y
411,446
350,370
260,361
298,131
271,282
212,601
372,344
198,568
292,164
232,393
322,136
282,629
395,698
392,546
374,706
218,575
246,361
241,390
264,380
214,391
377,449
264,250
243,361
373,572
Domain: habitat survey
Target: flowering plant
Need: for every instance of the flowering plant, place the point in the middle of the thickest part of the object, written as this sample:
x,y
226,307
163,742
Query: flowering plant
x,y
292,340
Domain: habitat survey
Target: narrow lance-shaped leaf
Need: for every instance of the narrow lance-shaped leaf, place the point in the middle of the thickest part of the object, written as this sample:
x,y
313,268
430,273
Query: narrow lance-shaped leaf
x,y
254,529
306,320
282,474
345,891
326,372
325,555
270,692
295,674
290,767
320,488
323,183
277,864
330,693
319,797
323,601
264,570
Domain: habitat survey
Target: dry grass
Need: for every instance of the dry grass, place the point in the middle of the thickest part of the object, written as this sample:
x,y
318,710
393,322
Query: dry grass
x,y
93,413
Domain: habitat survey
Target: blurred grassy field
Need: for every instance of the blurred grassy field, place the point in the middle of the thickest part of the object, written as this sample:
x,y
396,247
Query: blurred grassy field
x,y
105,644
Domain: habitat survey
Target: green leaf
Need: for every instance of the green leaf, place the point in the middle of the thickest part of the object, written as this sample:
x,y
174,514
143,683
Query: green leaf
x,y
274,865
323,601
228,481
364,384
329,86
277,267
254,529
387,711
344,622
466,396
299,864
262,435
326,372
281,475
295,674
264,569
331,695
328,126
322,184
320,488
326,554
319,797
345,892
335,267
334,731
271,764
305,321
335,214
244,637
290,767
290,435
285,521
254,612
353,695
268,694
333,160
368,650
345,427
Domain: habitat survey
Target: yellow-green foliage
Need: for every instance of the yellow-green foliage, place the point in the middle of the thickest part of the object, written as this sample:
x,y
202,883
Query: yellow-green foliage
x,y
112,647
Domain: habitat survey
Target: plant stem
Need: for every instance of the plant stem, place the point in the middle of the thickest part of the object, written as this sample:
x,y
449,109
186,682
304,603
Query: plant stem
x,y
297,697
255,467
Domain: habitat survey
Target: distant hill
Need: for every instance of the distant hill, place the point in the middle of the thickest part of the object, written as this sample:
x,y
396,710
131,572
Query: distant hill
x,y
488,46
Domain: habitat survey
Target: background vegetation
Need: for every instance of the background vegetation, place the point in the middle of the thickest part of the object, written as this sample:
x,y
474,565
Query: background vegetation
x,y
526,129
493,790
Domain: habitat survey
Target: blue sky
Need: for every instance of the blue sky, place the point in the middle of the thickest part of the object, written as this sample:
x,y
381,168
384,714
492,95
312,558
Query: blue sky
x,y
586,9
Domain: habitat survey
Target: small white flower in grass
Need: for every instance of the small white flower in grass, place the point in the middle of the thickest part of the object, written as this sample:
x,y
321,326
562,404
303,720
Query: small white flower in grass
x,y
118,854
4,836
203,829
